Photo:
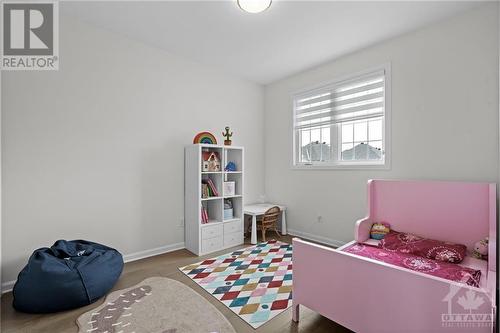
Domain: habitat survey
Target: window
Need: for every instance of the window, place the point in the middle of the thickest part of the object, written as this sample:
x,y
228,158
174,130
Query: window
x,y
343,124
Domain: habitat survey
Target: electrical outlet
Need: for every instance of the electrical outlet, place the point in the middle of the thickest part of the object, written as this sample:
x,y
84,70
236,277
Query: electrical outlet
x,y
181,223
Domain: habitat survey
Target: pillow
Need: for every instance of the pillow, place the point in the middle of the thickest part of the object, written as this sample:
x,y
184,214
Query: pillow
x,y
432,249
379,230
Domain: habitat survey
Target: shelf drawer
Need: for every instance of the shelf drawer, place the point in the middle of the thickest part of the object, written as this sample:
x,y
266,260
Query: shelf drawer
x,y
211,244
231,227
233,239
211,231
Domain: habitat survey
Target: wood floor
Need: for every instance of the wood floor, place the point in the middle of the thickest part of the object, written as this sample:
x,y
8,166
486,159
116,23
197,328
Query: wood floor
x,y
163,265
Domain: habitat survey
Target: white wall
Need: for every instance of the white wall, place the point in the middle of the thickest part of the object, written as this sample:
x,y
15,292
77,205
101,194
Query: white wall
x,y
444,121
95,150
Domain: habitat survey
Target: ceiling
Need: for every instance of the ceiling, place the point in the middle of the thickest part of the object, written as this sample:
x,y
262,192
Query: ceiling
x,y
287,38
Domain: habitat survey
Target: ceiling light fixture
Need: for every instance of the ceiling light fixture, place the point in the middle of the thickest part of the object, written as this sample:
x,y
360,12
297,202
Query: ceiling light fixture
x,y
254,6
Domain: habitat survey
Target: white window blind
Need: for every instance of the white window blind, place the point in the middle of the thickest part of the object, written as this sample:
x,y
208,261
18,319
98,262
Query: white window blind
x,y
344,122
359,98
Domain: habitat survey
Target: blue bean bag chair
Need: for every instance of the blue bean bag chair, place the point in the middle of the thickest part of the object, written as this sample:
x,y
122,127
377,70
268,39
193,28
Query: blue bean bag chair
x,y
68,275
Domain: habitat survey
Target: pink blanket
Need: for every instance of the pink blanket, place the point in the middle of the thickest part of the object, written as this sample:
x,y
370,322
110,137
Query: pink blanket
x,y
429,248
440,269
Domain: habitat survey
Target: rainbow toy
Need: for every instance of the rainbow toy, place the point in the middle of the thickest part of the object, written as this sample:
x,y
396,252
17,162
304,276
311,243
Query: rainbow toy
x,y
205,137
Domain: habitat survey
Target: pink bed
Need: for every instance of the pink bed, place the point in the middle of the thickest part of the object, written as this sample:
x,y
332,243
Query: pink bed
x,y
358,286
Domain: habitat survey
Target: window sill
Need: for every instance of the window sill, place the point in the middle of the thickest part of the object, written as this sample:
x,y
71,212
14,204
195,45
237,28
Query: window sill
x,y
343,166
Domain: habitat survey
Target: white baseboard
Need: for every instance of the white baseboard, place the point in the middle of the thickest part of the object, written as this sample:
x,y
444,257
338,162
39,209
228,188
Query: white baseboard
x,y
153,252
9,285
316,238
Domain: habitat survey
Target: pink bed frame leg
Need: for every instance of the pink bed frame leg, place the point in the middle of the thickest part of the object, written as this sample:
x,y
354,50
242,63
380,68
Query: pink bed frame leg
x,y
295,312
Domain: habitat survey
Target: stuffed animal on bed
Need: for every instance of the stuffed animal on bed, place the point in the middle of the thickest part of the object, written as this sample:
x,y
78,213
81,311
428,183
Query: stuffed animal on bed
x,y
379,230
481,249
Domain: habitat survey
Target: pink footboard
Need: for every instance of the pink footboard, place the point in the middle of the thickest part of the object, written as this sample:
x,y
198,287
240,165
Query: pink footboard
x,y
369,296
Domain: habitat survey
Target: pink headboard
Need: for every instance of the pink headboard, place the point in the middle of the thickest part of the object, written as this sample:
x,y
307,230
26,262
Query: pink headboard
x,y
457,212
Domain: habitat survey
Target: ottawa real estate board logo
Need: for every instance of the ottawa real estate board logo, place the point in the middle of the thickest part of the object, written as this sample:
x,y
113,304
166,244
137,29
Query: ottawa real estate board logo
x,y
30,35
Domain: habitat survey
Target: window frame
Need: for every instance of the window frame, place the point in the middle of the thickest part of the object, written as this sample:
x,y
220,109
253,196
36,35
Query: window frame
x,y
335,141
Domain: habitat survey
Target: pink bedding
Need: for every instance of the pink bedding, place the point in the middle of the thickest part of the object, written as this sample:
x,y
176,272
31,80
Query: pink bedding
x,y
440,269
431,249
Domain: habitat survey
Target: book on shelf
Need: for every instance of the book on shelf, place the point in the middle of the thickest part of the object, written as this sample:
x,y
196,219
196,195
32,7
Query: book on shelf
x,y
211,190
204,191
211,185
204,215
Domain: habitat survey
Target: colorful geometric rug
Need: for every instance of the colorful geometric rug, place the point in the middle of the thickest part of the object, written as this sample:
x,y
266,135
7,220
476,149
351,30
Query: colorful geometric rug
x,y
255,283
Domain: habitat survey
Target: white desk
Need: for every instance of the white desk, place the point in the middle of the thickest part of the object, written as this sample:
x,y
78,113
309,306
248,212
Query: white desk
x,y
255,210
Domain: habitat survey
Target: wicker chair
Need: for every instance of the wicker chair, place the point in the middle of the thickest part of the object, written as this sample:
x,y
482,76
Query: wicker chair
x,y
269,221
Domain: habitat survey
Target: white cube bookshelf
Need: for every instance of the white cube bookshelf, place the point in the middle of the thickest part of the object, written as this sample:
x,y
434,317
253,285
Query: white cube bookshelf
x,y
218,233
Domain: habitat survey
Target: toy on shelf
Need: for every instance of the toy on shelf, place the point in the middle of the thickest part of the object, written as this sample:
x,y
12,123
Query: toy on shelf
x,y
231,166
210,161
481,249
206,138
228,136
